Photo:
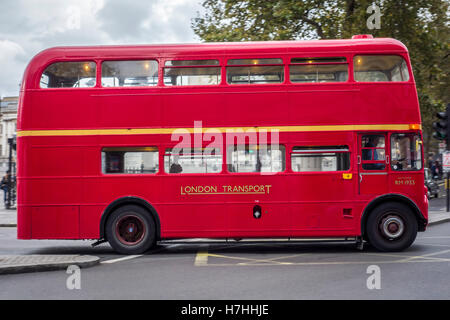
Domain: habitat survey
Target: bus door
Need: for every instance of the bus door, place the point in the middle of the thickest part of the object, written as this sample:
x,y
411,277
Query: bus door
x,y
373,163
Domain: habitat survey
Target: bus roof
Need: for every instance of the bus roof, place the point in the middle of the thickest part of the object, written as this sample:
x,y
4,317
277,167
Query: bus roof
x,y
317,46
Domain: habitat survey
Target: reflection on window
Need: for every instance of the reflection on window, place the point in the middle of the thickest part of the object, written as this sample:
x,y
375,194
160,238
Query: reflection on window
x,y
253,158
318,73
69,75
319,60
130,160
191,76
406,151
380,68
134,73
255,71
190,63
373,152
254,61
187,160
255,75
320,158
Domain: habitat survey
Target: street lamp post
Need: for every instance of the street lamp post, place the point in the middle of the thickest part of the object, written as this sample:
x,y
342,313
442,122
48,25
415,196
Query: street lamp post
x,y
12,145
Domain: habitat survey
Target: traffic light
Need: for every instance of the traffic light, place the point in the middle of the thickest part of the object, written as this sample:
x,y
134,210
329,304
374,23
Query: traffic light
x,y
442,127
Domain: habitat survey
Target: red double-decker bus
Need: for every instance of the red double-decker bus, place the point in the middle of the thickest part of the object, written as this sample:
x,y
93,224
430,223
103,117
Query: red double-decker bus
x,y
288,139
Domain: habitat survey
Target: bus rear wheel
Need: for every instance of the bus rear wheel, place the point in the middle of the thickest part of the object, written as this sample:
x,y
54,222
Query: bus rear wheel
x,y
391,226
130,230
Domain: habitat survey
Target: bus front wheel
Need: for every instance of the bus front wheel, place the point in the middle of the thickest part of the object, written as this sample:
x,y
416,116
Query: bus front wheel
x,y
130,230
391,226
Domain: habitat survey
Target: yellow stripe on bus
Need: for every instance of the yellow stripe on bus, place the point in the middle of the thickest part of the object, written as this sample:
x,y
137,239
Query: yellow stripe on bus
x,y
94,132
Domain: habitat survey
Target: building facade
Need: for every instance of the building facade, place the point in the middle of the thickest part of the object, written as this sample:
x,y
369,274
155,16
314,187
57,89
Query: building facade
x,y
8,126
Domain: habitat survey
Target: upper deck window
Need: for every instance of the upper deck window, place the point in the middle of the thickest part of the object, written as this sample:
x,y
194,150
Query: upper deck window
x,y
133,73
191,72
321,69
191,63
255,71
376,68
319,60
69,75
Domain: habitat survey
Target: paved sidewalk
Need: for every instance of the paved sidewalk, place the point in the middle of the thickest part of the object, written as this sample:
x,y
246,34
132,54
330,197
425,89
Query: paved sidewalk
x,y
438,216
35,263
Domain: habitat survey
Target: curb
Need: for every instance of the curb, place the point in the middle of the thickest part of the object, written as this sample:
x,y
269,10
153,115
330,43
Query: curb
x,y
39,263
439,221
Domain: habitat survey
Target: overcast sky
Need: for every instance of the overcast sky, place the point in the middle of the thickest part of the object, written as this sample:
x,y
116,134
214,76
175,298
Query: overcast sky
x,y
29,26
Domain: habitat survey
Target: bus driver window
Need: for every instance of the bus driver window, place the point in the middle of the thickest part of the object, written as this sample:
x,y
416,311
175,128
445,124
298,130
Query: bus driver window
x,y
406,151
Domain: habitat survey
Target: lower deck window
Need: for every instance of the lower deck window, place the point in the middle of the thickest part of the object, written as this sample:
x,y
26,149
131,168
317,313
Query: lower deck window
x,y
253,158
190,160
130,160
318,158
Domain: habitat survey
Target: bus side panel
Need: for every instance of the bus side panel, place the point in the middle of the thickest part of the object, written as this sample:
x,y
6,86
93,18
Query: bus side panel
x,y
90,217
55,222
185,214
60,109
23,222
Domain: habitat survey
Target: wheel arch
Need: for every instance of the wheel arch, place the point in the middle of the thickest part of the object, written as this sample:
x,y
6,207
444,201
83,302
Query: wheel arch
x,y
126,201
393,197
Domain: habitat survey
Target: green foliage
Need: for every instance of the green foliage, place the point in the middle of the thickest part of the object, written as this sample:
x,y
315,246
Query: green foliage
x,y
422,25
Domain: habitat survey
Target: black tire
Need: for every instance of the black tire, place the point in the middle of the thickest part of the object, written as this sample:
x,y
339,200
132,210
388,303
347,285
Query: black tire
x,y
391,226
130,230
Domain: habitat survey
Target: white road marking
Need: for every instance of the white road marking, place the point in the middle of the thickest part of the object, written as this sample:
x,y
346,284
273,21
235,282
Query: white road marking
x,y
122,259
437,237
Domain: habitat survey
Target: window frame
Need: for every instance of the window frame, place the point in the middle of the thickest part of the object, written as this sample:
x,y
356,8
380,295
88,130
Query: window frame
x,y
227,65
346,62
219,66
417,134
61,60
228,155
118,59
165,153
106,174
386,148
348,150
399,54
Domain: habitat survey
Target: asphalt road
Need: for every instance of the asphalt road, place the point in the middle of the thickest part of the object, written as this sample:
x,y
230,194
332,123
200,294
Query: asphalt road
x,y
239,271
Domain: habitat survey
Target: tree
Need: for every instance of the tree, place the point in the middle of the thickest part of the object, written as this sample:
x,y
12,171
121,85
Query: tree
x,y
422,25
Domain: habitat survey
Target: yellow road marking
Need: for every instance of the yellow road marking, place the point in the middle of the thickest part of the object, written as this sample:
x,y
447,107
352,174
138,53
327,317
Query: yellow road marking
x,y
248,259
201,259
427,256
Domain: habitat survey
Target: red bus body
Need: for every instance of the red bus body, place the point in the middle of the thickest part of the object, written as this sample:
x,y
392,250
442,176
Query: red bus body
x,y
63,194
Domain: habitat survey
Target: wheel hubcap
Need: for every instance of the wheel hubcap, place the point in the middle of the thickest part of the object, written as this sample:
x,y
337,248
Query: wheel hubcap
x,y
130,230
392,227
